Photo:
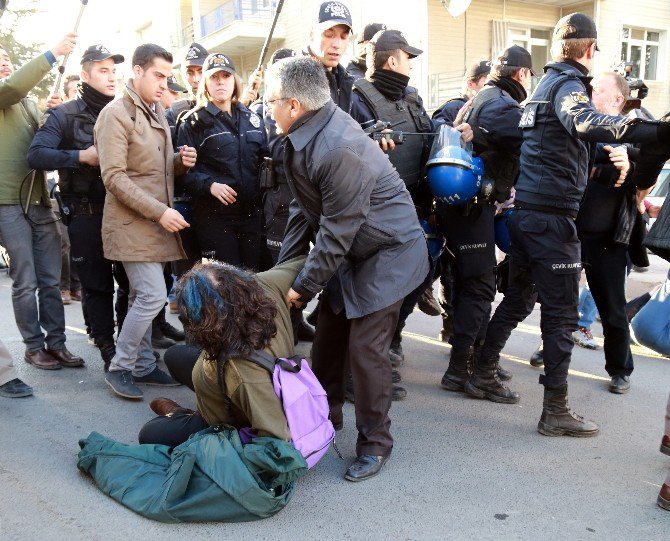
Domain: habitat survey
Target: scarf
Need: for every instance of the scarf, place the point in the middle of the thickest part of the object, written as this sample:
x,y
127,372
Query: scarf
x,y
511,86
391,84
94,100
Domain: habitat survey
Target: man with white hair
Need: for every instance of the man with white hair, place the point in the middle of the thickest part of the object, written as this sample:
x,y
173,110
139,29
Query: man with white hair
x,y
369,250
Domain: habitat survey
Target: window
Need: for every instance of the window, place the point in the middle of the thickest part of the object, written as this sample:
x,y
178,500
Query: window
x,y
640,47
537,41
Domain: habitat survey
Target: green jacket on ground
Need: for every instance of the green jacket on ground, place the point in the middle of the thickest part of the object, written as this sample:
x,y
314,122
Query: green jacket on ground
x,y
19,120
210,477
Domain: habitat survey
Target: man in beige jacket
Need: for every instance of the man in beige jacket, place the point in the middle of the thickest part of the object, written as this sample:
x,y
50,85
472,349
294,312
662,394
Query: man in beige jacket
x,y
139,227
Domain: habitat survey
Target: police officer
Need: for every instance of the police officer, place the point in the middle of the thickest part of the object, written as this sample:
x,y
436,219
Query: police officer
x,y
494,118
277,197
385,95
231,144
175,90
65,142
473,81
329,40
358,66
560,128
192,73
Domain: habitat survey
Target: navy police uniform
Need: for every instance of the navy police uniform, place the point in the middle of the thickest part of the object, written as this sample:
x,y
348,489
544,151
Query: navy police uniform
x,y
560,128
66,130
230,150
494,118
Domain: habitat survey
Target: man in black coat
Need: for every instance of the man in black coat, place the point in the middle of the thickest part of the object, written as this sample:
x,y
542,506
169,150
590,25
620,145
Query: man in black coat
x,y
369,250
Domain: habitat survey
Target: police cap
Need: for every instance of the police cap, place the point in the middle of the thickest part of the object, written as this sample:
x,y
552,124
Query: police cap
x,y
370,30
173,85
517,57
218,62
98,53
477,70
332,14
196,55
392,40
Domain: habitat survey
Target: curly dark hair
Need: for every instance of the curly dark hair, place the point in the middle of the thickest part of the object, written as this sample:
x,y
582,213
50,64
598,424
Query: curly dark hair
x,y
225,310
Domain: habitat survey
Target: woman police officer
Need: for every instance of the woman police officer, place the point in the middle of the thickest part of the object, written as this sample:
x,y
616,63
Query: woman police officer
x,y
231,143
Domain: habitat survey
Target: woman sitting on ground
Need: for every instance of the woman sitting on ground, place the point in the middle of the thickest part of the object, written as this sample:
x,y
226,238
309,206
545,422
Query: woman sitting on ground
x,y
227,311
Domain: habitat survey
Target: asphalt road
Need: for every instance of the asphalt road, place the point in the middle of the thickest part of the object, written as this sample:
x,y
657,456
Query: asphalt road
x,y
461,468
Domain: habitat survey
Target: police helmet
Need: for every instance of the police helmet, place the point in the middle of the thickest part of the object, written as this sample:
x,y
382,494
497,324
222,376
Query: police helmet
x,y
454,176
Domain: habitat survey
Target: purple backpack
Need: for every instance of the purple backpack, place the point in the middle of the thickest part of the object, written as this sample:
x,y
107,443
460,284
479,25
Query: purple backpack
x,y
304,401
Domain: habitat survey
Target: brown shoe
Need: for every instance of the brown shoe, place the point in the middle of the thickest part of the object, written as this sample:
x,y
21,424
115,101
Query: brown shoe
x,y
65,296
40,358
165,406
65,358
665,445
664,497
75,295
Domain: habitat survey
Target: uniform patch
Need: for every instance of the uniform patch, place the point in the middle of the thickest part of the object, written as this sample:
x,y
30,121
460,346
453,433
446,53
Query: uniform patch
x,y
255,120
579,97
528,116
566,267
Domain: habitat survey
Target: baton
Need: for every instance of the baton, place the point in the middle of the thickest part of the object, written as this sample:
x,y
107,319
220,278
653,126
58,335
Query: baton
x,y
266,45
61,68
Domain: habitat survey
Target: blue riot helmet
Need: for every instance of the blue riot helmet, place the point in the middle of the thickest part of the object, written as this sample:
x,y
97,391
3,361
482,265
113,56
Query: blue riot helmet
x,y
503,240
454,176
434,238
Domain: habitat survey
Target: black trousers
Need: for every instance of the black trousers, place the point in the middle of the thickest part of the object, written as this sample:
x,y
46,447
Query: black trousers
x,y
275,208
606,266
176,428
545,265
362,344
471,238
235,239
96,273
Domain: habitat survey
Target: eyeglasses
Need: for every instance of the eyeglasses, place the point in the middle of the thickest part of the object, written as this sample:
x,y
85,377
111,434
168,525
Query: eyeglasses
x,y
271,102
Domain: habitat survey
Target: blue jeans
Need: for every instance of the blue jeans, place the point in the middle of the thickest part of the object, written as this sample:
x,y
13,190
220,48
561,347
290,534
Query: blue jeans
x,y
35,254
587,308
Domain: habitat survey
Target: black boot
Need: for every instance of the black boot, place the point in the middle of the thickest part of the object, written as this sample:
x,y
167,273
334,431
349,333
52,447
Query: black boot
x,y
459,370
559,420
107,350
447,330
485,383
158,339
169,331
396,354
503,374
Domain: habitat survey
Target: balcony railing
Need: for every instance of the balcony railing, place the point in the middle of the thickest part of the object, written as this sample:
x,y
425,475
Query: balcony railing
x,y
187,35
236,10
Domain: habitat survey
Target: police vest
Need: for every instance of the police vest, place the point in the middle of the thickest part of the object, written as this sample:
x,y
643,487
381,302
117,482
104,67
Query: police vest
x,y
408,157
500,166
83,181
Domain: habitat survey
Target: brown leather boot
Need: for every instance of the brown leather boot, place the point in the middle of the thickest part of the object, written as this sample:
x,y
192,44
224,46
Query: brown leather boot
x,y
165,406
41,359
665,445
485,383
663,499
559,420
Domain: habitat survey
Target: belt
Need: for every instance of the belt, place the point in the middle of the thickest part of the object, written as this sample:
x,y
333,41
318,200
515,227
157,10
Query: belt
x,y
544,208
86,208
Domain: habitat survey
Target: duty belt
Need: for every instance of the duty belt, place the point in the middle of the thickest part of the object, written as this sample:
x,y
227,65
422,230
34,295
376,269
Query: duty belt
x,y
520,205
80,207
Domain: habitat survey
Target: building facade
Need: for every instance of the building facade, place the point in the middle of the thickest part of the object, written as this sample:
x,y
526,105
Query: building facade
x,y
637,34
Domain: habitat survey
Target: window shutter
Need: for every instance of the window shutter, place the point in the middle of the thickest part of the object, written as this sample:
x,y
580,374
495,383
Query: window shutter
x,y
499,37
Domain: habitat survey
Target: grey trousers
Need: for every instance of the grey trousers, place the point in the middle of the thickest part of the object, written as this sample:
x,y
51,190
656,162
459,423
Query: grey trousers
x,y
7,370
146,298
35,255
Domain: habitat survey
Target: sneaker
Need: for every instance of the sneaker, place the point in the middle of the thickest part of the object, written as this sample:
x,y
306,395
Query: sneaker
x,y
157,377
65,296
15,389
123,384
583,338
